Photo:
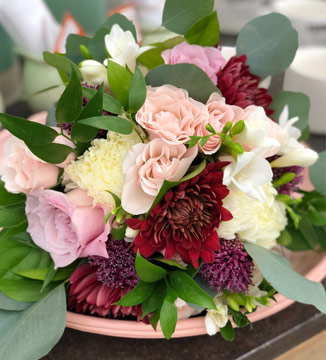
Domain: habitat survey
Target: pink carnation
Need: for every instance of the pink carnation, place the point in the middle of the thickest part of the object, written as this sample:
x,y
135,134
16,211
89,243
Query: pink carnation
x,y
209,59
146,167
169,113
219,114
67,226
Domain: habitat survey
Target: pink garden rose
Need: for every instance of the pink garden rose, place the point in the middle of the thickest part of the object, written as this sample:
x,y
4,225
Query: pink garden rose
x,y
219,114
169,113
146,167
67,226
209,59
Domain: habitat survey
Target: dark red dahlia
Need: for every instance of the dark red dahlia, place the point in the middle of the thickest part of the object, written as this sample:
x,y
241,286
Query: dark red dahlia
x,y
185,221
231,269
97,285
240,87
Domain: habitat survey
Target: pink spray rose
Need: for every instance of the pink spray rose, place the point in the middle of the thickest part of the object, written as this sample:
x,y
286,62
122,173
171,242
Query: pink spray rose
x,y
219,114
209,59
67,226
169,113
146,167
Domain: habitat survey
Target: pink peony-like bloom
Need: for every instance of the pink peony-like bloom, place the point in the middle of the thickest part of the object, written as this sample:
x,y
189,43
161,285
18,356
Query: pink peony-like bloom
x,y
146,167
169,113
209,59
219,114
67,226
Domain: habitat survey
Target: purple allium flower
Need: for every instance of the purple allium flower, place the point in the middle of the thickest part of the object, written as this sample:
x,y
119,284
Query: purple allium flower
x,y
231,269
292,186
118,270
101,133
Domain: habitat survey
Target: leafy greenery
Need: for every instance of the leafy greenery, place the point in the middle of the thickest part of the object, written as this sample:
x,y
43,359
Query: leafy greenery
x,y
317,174
137,93
108,122
270,44
227,331
147,271
110,103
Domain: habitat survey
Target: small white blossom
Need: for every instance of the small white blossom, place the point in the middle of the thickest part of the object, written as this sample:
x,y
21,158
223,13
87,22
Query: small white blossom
x,y
122,47
216,319
299,157
94,72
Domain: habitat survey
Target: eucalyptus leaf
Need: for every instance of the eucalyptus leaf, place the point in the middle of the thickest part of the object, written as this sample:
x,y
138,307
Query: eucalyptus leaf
x,y
138,294
189,291
317,174
110,104
179,16
11,305
112,123
185,76
269,42
298,105
206,32
278,271
29,131
137,93
71,100
147,271
32,333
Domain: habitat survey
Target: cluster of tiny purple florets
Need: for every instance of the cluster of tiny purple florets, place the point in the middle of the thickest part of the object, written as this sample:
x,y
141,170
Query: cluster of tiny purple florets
x,y
292,186
231,269
118,270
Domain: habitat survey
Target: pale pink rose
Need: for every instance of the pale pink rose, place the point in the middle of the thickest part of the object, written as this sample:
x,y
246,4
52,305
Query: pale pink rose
x,y
23,171
67,226
146,166
219,114
169,113
184,310
209,59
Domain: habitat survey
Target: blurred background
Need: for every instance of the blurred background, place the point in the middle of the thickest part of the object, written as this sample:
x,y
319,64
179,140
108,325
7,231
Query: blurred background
x,y
27,28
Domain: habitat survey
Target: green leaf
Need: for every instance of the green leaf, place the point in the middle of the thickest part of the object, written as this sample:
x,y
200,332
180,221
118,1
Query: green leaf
x,y
298,104
227,331
185,76
11,305
278,271
29,131
284,179
120,80
51,153
73,50
32,333
24,290
170,263
237,128
168,318
11,217
112,123
179,16
206,32
119,233
50,118
154,301
71,100
189,291
239,319
285,238
317,174
109,102
42,273
308,231
93,108
155,318
298,242
138,294
269,42
8,233
61,63
7,198
152,58
147,271
137,93
316,217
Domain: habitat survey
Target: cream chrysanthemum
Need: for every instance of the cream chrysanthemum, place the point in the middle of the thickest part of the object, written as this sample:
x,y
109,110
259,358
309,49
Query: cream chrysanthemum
x,y
253,220
99,169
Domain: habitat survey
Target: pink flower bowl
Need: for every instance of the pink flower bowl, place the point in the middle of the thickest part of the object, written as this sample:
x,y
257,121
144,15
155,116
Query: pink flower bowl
x,y
309,263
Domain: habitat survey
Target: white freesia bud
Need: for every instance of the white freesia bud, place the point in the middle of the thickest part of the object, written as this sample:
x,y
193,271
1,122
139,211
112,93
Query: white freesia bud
x,y
131,233
216,319
123,48
299,157
94,72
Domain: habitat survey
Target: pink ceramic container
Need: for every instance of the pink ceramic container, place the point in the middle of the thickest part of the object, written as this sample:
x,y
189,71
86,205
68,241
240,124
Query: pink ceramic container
x,y
310,264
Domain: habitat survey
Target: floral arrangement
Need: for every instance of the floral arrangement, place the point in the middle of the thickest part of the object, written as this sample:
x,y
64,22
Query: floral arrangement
x,y
160,184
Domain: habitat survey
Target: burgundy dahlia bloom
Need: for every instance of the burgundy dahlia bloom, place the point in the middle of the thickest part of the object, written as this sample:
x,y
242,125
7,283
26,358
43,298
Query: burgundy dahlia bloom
x,y
231,269
185,221
240,87
97,285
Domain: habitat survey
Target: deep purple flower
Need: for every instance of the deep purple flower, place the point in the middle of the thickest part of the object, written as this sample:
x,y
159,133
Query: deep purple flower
x,y
231,269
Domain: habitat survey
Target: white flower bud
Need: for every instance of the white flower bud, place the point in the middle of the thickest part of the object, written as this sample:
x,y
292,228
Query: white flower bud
x,y
299,157
94,72
131,233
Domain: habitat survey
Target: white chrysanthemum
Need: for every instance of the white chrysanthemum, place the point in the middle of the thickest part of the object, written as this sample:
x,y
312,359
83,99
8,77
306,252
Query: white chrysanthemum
x,y
253,220
99,169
